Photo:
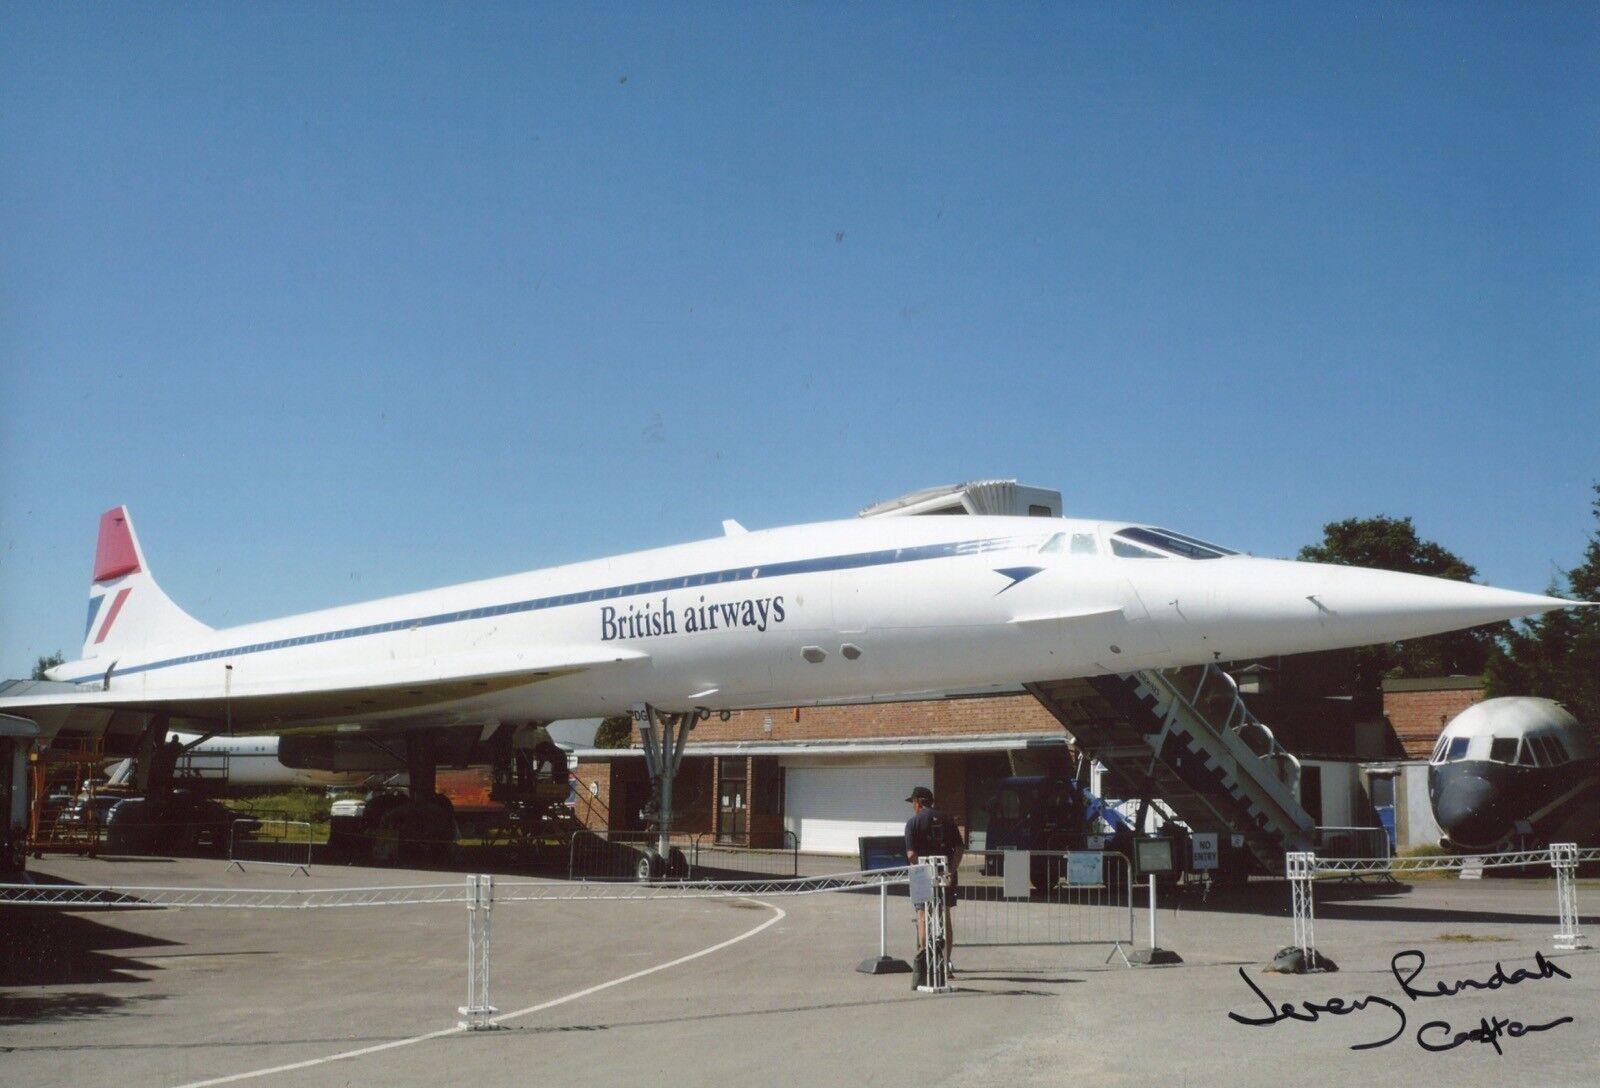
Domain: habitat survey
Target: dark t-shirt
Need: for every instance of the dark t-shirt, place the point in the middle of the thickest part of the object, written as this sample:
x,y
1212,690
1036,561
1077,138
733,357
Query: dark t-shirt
x,y
926,833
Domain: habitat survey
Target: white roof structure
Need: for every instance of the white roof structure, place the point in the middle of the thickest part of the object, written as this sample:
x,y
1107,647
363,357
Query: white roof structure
x,y
996,497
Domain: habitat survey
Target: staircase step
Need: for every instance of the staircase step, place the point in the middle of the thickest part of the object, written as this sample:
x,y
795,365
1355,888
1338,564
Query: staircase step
x,y
1146,729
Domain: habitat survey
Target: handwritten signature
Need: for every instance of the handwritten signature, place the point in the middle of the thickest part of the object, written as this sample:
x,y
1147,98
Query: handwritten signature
x,y
1435,1035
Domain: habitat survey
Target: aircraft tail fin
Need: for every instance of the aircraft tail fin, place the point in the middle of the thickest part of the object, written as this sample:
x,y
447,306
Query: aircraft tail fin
x,y
127,609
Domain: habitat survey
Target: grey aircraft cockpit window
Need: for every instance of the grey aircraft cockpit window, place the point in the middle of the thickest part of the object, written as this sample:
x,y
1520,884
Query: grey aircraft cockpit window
x,y
1083,544
1458,749
1172,543
1551,751
1126,550
1503,750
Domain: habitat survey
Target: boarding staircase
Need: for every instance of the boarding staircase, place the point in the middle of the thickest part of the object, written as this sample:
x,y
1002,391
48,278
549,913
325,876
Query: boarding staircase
x,y
1186,737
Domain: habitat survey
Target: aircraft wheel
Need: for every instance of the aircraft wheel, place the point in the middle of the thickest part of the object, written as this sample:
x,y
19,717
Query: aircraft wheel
x,y
649,865
677,865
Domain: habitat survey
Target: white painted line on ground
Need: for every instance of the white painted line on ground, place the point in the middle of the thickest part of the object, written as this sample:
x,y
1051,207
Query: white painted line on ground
x,y
503,1017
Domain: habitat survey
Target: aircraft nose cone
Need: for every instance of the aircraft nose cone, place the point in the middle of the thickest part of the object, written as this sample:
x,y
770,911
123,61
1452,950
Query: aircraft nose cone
x,y
1470,809
1411,605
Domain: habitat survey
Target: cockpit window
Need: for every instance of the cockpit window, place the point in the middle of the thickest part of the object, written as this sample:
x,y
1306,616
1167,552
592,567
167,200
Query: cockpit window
x,y
1503,750
1082,544
1120,546
1196,542
1164,540
1458,749
1438,750
1548,751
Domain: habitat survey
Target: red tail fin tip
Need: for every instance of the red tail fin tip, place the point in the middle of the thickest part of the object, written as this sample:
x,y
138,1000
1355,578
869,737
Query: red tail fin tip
x,y
114,553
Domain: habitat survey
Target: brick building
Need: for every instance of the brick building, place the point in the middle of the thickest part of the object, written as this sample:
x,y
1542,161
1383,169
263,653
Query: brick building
x,y
824,776
1419,709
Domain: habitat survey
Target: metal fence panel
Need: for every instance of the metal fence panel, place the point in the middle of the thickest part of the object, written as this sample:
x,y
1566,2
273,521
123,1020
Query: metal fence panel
x,y
1352,842
709,859
1014,897
610,855
271,840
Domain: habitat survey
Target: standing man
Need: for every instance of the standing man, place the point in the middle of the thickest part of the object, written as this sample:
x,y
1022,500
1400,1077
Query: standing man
x,y
929,833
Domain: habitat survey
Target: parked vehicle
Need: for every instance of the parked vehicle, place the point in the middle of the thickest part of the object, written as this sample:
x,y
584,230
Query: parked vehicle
x,y
90,812
183,823
1049,813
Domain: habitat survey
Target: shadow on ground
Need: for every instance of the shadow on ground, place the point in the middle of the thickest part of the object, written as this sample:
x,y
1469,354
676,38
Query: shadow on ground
x,y
54,948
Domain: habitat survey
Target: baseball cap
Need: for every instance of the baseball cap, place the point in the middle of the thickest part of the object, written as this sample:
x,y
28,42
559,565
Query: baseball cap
x,y
923,794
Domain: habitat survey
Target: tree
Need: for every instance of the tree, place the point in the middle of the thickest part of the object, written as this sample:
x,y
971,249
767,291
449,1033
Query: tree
x,y
1557,655
615,732
1386,543
44,664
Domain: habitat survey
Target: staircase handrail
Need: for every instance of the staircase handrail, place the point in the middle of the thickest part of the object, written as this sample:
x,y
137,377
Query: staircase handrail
x,y
1246,719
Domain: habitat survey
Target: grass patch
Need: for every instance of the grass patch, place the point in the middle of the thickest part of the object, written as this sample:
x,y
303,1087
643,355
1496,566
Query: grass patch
x,y
1469,938
302,804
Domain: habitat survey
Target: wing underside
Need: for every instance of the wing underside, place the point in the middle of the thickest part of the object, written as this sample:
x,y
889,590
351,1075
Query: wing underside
x,y
394,693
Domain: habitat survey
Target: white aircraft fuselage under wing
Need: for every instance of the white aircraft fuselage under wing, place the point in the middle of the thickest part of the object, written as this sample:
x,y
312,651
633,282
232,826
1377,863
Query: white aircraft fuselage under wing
x,y
824,612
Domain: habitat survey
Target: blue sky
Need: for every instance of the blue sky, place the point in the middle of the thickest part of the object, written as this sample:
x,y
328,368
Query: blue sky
x,y
350,300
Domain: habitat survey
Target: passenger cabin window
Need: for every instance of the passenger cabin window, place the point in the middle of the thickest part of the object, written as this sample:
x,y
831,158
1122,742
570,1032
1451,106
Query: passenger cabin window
x,y
1503,750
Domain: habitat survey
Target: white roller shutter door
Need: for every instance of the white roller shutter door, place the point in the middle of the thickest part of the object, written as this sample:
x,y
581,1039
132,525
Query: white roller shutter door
x,y
829,808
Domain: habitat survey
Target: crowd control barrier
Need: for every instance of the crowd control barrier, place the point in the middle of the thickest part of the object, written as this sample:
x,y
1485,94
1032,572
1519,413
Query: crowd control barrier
x,y
710,859
270,840
1045,897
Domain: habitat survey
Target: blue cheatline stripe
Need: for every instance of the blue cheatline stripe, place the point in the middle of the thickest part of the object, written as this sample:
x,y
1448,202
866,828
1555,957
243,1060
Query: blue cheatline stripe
x,y
819,565
94,610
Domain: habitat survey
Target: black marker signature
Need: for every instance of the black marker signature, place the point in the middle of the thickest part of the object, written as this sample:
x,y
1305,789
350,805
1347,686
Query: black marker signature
x,y
1436,1035
1488,1031
1336,1006
1543,969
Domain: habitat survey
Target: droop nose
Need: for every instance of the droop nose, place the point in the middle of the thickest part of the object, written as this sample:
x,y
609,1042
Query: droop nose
x,y
1471,809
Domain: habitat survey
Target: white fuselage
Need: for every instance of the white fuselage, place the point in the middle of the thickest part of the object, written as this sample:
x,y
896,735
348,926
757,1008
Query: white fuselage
x,y
828,611
250,763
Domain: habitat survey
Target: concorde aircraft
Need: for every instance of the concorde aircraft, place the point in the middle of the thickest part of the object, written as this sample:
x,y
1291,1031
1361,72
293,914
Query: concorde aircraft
x,y
832,611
